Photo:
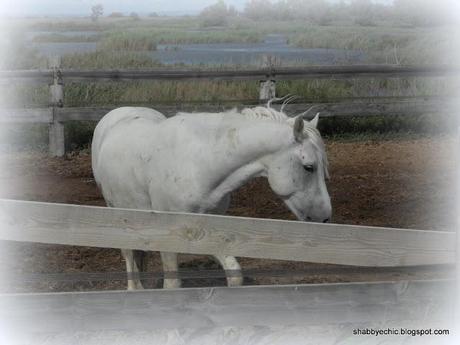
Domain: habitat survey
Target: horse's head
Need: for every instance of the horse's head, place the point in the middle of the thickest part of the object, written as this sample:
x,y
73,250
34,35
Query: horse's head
x,y
297,173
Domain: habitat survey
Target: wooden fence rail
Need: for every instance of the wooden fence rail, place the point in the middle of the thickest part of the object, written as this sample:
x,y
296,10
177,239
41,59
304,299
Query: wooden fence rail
x,y
335,72
384,304
209,234
336,109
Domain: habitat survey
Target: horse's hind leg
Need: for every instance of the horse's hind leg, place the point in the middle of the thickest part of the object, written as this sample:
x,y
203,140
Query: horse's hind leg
x,y
170,267
232,269
133,259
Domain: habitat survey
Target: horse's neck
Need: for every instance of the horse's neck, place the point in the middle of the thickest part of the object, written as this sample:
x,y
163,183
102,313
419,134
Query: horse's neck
x,y
242,151
244,140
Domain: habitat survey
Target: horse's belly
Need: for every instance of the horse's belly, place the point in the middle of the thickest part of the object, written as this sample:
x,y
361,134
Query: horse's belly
x,y
121,191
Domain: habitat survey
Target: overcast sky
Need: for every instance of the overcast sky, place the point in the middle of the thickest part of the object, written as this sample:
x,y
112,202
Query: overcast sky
x,y
83,7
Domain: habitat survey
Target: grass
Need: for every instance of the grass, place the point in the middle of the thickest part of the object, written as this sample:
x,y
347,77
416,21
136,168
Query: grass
x,y
381,44
106,59
60,38
206,91
148,39
238,92
128,41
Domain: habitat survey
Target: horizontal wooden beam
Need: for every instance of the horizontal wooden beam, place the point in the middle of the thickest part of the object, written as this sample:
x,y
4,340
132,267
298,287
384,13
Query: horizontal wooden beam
x,y
375,107
209,234
23,279
336,72
27,75
32,115
362,108
385,304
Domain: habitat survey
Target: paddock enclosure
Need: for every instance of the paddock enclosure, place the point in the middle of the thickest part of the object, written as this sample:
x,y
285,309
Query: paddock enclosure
x,y
386,262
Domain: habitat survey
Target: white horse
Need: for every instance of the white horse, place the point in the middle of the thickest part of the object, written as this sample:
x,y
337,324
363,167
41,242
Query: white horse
x,y
192,162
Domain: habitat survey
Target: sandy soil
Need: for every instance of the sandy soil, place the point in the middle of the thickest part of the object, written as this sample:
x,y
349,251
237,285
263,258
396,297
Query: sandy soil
x,y
406,183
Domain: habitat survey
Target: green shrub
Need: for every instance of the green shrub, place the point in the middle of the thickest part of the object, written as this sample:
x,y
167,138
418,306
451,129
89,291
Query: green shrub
x,y
128,41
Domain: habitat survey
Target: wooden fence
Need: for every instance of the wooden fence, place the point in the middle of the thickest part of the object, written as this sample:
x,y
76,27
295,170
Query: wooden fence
x,y
56,115
264,314
261,311
270,311
236,236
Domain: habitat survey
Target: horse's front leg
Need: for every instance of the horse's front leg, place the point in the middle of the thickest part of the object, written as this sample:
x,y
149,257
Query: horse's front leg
x,y
170,267
134,264
232,269
228,263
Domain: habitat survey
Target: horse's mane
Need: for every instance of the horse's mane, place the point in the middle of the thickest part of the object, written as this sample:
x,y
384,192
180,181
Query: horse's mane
x,y
267,113
309,131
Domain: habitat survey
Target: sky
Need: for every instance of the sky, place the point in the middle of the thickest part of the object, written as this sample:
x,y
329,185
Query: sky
x,y
20,8
83,7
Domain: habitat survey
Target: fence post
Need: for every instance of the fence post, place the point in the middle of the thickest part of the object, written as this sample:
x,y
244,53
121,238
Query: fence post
x,y
268,86
56,128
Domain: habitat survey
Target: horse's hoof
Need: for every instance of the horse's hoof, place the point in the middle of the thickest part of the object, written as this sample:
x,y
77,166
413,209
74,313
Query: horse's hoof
x,y
135,286
171,284
235,281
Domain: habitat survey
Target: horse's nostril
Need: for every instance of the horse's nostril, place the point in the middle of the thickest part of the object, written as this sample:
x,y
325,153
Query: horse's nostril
x,y
308,218
326,220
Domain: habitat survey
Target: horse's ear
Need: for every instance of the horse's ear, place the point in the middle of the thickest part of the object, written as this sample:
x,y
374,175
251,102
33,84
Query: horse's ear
x,y
314,122
298,129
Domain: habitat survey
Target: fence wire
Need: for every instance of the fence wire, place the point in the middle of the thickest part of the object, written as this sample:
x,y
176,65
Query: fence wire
x,y
215,274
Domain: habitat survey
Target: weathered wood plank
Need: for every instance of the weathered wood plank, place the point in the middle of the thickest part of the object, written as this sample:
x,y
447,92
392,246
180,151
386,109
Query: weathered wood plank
x,y
375,108
287,73
378,108
56,129
428,302
209,234
41,76
56,139
37,115
336,72
339,109
441,271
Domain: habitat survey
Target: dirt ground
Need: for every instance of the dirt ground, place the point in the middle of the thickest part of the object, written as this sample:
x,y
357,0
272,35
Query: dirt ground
x,y
404,183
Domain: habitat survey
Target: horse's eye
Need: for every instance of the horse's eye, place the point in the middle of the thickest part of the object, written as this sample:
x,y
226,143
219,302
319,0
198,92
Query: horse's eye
x,y
309,168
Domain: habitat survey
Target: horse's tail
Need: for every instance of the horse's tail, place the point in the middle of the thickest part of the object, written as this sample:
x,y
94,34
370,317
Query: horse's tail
x,y
112,119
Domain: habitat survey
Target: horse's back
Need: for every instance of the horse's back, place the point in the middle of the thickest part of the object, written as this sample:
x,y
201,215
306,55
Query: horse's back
x,y
112,143
115,118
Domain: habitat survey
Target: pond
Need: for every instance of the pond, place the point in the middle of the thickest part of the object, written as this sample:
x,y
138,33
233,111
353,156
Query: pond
x,y
225,53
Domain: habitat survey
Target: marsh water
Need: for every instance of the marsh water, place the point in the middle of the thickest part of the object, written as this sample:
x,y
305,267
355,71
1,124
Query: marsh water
x,y
221,53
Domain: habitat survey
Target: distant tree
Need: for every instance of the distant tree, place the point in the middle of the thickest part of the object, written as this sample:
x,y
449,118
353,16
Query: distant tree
x,y
96,12
217,14
153,14
360,12
315,11
134,16
424,12
363,12
259,9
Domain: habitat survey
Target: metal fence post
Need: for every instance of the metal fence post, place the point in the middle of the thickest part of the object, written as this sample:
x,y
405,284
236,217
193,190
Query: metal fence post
x,y
56,128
